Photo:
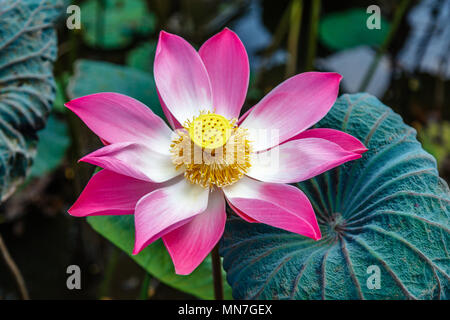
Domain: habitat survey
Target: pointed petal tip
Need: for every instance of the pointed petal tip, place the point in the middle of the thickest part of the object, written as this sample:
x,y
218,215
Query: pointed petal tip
x,y
163,33
227,30
356,156
74,212
230,33
331,75
335,75
136,249
137,245
317,234
352,156
82,159
88,159
183,272
335,79
69,211
72,105
314,231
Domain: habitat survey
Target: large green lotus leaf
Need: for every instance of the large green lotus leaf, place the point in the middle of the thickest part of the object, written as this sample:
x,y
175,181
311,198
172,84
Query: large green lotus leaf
x,y
111,24
155,258
96,76
27,52
347,29
388,209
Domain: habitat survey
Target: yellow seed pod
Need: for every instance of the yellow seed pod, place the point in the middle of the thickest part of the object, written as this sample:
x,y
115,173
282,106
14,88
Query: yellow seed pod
x,y
210,131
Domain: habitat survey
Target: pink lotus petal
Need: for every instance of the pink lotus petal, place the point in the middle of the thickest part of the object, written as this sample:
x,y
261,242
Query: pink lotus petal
x,y
299,160
166,209
181,78
279,205
117,118
109,193
344,140
292,107
134,160
189,245
241,214
104,142
226,60
174,124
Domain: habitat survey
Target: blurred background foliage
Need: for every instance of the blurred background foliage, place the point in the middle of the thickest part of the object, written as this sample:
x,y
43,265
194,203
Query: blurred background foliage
x,y
405,64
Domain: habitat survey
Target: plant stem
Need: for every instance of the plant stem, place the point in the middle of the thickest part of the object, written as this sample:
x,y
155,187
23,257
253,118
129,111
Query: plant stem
x,y
312,37
217,273
144,288
14,270
293,36
398,15
105,286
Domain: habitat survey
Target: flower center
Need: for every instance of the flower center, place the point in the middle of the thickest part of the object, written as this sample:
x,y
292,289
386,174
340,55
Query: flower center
x,y
210,130
212,150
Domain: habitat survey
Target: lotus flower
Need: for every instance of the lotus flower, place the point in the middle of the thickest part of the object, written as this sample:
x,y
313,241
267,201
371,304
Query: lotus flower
x,y
149,169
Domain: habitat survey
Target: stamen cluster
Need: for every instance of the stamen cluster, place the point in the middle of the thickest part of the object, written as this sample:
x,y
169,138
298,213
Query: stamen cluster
x,y
212,152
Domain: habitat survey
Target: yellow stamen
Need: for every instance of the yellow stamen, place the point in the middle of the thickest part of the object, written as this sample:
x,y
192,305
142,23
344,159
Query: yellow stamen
x,y
210,130
211,158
